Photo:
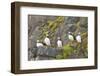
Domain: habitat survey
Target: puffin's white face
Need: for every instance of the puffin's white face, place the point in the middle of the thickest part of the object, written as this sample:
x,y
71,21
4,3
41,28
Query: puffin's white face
x,y
38,41
47,35
58,38
79,33
69,33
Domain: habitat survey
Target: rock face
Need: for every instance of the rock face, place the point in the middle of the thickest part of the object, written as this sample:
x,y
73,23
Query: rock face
x,y
44,53
55,26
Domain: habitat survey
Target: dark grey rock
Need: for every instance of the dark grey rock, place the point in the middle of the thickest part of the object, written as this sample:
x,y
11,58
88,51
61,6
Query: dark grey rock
x,y
47,53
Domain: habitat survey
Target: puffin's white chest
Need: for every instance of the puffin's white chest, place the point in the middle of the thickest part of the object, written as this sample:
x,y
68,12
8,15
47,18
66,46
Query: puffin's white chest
x,y
78,38
59,43
71,37
39,44
47,41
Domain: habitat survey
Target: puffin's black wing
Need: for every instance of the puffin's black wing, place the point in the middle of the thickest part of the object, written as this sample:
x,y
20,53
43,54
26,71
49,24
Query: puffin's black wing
x,y
74,37
44,44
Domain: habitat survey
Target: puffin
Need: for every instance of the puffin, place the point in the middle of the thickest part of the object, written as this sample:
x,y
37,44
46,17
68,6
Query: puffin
x,y
39,44
59,42
47,41
78,38
71,36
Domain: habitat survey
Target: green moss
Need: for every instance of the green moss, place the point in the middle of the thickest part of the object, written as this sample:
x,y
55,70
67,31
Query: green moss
x,y
67,50
59,57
